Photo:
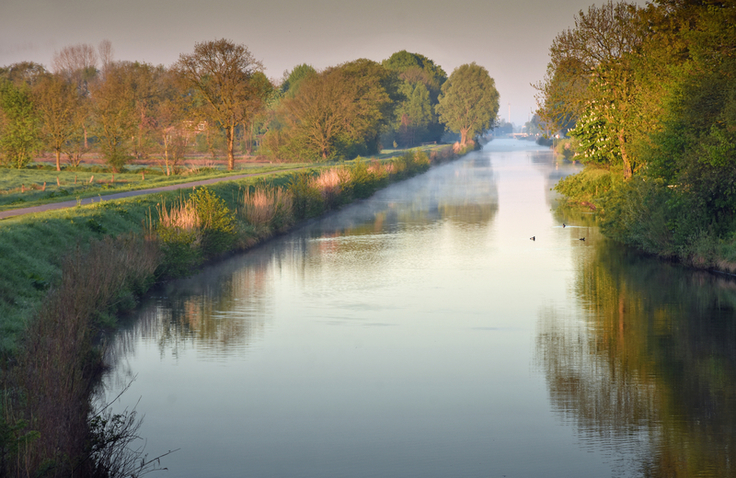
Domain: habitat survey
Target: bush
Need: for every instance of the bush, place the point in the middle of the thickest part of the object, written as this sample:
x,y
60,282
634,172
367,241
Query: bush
x,y
307,199
216,222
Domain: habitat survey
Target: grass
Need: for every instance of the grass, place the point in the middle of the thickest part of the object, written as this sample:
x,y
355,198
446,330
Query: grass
x,y
25,187
38,184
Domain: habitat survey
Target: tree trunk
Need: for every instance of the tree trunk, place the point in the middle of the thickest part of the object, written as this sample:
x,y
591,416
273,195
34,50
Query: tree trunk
x,y
58,160
624,156
230,145
463,137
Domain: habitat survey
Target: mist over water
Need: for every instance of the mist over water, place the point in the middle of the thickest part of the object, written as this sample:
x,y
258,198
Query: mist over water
x,y
421,333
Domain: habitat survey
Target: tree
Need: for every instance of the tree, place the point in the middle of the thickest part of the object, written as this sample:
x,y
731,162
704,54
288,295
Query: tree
x,y
415,118
19,131
115,115
469,101
58,107
600,36
337,113
222,73
77,64
172,125
290,86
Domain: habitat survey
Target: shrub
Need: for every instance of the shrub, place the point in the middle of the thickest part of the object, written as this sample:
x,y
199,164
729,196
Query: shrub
x,y
216,222
307,199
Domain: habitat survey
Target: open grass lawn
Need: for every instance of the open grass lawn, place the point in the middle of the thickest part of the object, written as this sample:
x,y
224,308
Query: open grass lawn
x,y
41,184
31,186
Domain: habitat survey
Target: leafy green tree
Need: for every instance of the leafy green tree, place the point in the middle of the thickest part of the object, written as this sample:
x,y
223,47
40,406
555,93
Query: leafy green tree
x,y
290,86
469,101
415,120
59,109
415,114
601,36
19,125
223,74
115,115
337,113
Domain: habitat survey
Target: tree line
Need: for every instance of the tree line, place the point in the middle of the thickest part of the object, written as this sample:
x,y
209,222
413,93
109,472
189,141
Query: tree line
x,y
648,97
217,99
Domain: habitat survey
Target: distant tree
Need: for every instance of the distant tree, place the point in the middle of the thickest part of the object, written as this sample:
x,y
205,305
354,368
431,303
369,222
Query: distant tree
x,y
26,72
115,115
77,64
19,130
338,113
173,124
290,86
415,114
223,73
469,101
58,107
412,124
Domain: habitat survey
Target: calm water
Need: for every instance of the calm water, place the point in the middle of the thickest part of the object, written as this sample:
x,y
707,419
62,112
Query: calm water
x,y
423,334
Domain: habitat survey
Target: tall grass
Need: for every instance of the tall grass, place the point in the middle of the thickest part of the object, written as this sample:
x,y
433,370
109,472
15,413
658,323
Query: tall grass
x,y
268,206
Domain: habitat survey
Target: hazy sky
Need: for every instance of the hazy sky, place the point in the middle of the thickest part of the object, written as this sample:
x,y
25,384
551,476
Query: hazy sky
x,y
510,39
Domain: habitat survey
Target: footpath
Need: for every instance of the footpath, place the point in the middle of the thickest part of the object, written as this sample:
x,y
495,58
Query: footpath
x,y
127,194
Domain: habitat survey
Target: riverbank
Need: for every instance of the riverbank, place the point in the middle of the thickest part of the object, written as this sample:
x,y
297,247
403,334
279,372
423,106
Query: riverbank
x,y
65,274
653,218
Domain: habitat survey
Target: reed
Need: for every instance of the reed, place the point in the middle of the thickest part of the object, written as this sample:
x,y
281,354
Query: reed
x,y
51,382
267,206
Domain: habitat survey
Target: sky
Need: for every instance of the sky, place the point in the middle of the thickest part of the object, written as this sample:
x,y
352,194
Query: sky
x,y
511,39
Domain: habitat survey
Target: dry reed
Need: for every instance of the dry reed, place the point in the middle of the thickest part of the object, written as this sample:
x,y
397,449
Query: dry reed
x,y
58,364
182,215
263,205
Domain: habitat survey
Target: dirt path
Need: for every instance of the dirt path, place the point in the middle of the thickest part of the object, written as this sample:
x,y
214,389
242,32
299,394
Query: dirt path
x,y
127,194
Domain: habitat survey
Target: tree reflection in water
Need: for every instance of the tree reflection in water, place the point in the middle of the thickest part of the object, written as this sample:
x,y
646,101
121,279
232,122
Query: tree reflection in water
x,y
649,363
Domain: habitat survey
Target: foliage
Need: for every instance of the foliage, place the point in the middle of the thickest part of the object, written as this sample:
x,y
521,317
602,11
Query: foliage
x,y
664,108
290,86
114,110
337,113
19,128
421,82
601,36
230,83
469,101
59,109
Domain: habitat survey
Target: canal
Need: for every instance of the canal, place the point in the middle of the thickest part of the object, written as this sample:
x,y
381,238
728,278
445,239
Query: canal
x,y
424,333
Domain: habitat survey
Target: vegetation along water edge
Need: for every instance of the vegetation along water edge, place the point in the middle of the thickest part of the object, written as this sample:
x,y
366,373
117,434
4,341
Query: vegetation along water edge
x,y
645,98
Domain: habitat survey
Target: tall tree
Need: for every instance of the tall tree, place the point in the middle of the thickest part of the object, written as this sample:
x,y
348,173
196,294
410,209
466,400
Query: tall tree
x,y
222,73
58,107
115,115
77,64
412,123
590,82
469,101
19,129
337,113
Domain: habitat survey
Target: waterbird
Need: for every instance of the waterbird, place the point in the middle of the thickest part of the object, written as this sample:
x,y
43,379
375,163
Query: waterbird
x,y
563,225
582,238
533,238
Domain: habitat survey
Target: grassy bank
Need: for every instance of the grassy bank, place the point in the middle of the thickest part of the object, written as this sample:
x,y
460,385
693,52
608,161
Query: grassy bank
x,y
65,274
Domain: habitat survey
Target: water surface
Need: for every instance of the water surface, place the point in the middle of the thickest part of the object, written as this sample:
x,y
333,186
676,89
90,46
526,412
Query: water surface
x,y
422,333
